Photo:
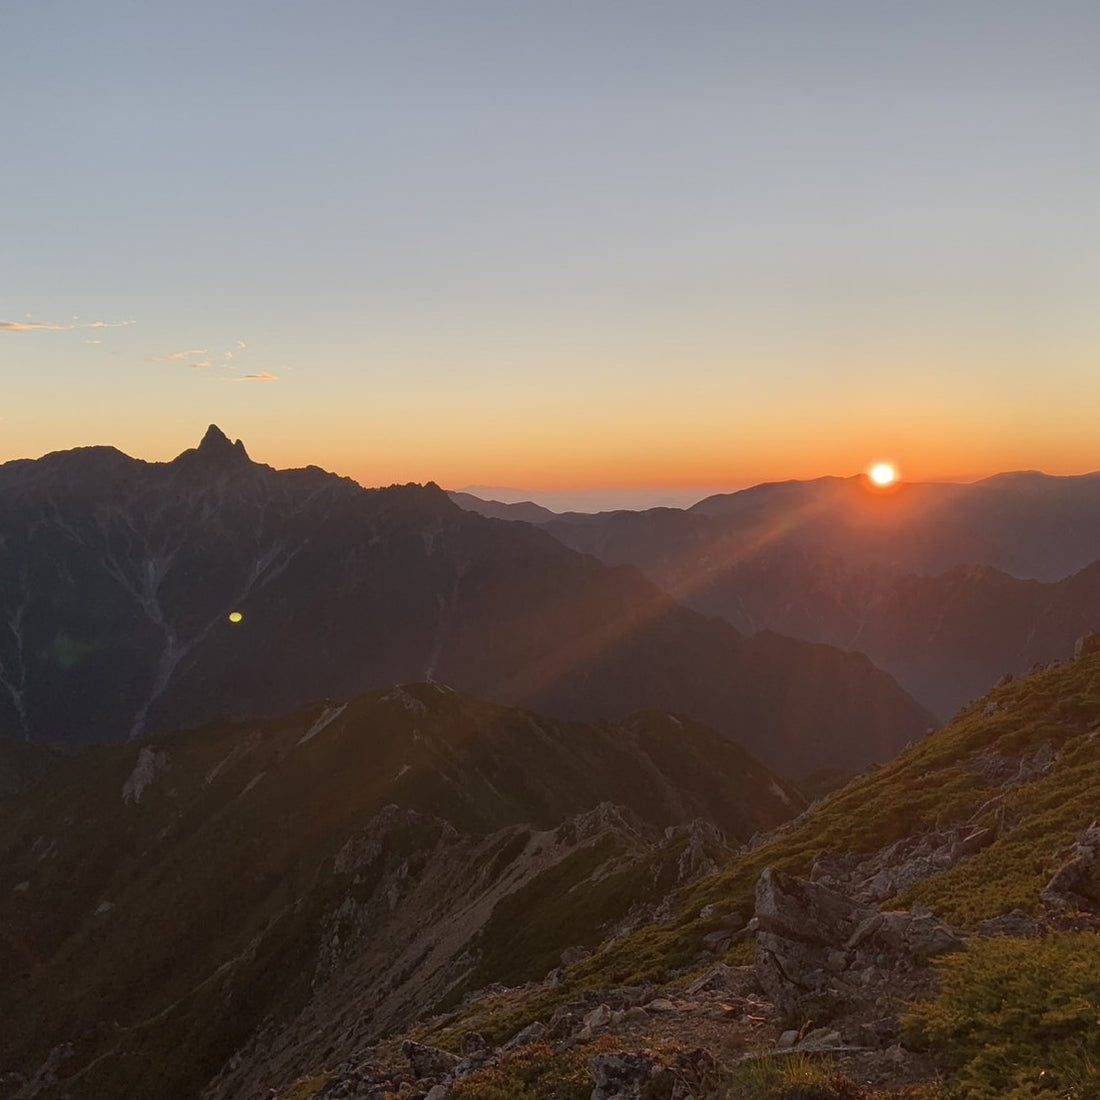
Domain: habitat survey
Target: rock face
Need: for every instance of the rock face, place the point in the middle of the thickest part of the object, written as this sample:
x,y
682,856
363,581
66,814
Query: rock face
x,y
140,598
1076,886
811,940
646,1076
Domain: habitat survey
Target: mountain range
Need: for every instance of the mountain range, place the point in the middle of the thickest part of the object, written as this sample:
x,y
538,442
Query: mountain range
x,y
140,597
947,587
314,792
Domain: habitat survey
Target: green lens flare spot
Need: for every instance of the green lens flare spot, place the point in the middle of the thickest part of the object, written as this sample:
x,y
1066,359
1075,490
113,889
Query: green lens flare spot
x,y
235,616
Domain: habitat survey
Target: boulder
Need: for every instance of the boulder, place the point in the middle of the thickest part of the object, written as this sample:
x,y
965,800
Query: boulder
x,y
646,1076
428,1061
800,925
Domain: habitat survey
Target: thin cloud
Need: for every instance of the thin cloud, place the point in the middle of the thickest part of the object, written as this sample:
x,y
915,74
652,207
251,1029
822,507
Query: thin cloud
x,y
204,365
53,326
33,326
241,345
178,355
263,376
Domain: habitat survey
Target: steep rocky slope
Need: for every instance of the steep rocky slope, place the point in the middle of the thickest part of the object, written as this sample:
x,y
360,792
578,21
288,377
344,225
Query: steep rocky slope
x,y
932,930
118,579
250,898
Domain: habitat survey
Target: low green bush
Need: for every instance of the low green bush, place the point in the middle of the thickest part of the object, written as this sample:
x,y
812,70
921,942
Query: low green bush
x,y
1016,1019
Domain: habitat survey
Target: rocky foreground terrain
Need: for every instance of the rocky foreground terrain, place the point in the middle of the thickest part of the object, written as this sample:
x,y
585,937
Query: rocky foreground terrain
x,y
929,931
419,894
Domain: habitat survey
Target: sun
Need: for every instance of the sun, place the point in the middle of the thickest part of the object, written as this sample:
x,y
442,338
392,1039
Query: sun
x,y
883,474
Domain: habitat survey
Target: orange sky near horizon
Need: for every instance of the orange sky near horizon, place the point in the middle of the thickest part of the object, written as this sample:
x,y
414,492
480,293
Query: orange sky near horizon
x,y
546,247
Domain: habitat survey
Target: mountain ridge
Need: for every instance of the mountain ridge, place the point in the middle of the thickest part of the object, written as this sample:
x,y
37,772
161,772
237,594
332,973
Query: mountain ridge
x,y
118,592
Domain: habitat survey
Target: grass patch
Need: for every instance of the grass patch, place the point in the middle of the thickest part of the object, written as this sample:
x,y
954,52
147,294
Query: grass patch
x,y
534,1071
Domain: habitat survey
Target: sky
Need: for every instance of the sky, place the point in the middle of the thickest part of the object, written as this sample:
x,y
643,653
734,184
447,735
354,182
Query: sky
x,y
619,249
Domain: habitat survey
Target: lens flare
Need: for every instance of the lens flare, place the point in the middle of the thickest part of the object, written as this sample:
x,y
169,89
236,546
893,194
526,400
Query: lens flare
x,y
235,616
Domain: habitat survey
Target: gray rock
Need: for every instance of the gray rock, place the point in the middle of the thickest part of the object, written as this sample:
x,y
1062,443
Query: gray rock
x,y
718,942
573,955
719,977
820,1039
428,1061
644,1076
598,1017
532,1033
1016,924
805,911
1074,886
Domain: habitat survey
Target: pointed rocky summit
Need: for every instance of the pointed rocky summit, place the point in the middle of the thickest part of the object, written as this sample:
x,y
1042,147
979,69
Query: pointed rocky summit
x,y
215,449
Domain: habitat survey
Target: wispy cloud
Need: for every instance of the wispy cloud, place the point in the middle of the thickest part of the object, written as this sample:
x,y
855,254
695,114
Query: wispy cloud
x,y
241,345
263,376
182,355
54,326
203,365
33,326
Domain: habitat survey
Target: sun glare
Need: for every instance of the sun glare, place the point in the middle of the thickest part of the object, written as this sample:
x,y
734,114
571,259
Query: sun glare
x,y
883,474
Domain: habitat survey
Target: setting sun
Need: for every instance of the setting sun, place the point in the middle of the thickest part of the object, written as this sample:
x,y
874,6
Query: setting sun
x,y
883,474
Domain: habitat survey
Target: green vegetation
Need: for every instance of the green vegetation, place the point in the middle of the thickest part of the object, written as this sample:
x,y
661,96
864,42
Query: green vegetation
x,y
534,1071
570,904
950,778
307,1088
789,1077
1017,1018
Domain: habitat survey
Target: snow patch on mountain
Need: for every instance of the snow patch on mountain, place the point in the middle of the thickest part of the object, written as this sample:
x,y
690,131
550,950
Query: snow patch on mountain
x,y
149,765
327,716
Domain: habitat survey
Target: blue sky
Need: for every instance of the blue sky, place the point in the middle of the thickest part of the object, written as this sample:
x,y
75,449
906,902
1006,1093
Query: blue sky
x,y
555,244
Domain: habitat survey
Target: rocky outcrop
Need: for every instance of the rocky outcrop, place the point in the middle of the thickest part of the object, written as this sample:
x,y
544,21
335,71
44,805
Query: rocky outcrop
x,y
811,940
1076,885
648,1076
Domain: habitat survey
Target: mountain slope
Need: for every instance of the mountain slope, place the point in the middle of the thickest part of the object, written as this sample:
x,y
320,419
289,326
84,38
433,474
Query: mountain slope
x,y
932,930
118,579
930,581
160,902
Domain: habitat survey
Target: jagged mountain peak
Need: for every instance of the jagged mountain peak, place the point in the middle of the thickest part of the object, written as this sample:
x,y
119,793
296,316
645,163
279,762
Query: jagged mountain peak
x,y
216,449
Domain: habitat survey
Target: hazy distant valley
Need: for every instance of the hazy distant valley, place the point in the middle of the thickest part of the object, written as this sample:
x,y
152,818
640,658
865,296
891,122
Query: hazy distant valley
x,y
947,587
309,790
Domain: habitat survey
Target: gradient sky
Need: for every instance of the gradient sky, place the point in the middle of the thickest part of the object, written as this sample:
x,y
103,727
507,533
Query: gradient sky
x,y
555,245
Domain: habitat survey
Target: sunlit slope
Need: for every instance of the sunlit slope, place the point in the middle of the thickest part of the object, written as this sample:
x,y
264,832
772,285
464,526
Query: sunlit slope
x,y
1019,772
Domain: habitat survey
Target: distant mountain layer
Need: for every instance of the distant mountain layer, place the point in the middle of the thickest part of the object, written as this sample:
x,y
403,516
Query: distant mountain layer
x,y
929,580
139,597
160,902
